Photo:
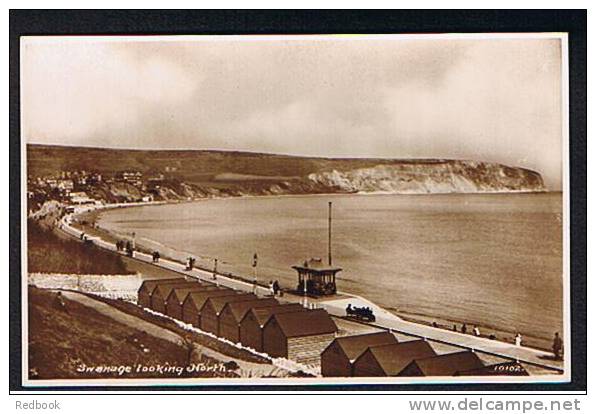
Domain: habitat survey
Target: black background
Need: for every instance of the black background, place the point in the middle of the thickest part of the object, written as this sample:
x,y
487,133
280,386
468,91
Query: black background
x,y
145,22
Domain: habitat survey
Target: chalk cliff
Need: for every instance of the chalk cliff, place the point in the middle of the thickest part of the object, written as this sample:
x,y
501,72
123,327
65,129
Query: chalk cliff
x,y
434,177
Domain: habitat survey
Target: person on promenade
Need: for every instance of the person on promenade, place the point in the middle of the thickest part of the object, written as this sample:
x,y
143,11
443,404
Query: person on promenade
x,y
129,250
275,287
454,328
464,328
518,339
271,288
557,346
476,331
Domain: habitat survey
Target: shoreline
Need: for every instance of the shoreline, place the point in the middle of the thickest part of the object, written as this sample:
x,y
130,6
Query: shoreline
x,y
443,322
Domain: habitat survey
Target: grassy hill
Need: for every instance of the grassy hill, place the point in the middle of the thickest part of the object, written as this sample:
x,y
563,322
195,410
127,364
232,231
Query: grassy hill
x,y
193,174
191,166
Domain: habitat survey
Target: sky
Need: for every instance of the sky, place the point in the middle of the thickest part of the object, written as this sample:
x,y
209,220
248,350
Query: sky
x,y
496,100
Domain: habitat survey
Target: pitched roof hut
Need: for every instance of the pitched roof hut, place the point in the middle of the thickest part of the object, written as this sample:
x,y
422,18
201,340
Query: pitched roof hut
x,y
442,365
146,290
299,336
176,298
251,326
233,312
213,307
191,307
390,360
162,291
338,358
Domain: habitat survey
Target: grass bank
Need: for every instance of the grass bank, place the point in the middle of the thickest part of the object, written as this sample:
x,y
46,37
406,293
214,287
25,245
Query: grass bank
x,y
49,253
65,338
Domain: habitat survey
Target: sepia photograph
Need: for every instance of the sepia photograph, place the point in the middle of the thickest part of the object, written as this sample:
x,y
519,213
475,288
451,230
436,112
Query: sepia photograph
x,y
352,209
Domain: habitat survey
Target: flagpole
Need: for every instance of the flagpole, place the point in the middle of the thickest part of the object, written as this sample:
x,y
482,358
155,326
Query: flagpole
x,y
329,238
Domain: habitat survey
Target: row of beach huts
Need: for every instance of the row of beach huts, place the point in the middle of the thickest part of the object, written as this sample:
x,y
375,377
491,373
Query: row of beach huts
x,y
307,336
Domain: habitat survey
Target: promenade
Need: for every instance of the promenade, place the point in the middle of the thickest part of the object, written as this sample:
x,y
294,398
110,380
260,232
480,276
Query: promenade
x,y
336,306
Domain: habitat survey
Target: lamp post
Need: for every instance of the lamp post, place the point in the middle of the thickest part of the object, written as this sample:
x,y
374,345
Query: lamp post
x,y
254,267
304,299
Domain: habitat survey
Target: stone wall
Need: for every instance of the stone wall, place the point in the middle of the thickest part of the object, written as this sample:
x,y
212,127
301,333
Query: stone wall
x,y
111,286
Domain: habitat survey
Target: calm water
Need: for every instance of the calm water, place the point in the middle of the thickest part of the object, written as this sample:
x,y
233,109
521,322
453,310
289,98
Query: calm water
x,y
492,260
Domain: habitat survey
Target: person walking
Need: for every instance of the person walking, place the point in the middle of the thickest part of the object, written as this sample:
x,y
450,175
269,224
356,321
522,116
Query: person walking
x,y
275,287
464,328
476,331
557,346
271,289
518,339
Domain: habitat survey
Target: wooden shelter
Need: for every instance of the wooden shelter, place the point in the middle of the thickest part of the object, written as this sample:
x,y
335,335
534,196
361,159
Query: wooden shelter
x,y
233,312
317,278
213,307
299,336
390,360
163,290
442,365
338,358
191,307
176,298
148,286
251,326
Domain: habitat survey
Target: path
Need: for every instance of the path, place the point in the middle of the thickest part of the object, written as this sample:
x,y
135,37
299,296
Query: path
x,y
336,307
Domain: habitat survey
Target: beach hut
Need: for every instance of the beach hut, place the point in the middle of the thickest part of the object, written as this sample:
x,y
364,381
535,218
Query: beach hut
x,y
146,290
251,326
299,336
338,358
213,307
191,307
442,365
390,360
162,291
233,312
176,298
505,368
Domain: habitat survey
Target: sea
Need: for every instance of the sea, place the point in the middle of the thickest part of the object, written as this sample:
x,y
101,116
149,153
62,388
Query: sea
x,y
492,260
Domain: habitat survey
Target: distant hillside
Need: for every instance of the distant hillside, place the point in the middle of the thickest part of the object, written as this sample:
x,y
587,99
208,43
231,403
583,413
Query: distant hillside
x,y
197,174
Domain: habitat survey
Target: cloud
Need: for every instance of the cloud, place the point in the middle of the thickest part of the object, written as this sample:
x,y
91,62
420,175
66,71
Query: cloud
x,y
496,100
